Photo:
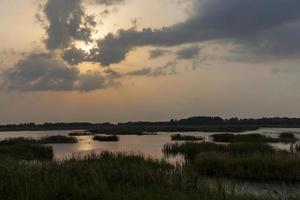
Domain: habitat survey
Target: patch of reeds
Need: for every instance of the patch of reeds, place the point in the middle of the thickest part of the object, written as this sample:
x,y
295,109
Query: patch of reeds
x,y
257,138
191,150
179,137
110,138
77,134
44,140
256,166
26,152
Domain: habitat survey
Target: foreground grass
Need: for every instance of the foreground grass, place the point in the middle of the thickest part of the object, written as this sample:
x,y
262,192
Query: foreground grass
x,y
108,177
230,138
179,137
111,138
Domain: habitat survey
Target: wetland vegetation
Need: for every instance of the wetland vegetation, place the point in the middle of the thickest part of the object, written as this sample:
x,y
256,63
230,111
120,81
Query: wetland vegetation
x,y
179,137
108,138
108,176
230,138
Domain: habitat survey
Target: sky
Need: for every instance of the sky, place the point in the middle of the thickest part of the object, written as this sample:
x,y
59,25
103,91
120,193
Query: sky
x,y
140,60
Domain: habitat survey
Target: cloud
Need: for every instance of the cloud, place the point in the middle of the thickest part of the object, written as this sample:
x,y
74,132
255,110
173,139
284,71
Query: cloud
x,y
74,56
67,22
156,53
165,70
107,2
188,52
230,20
44,72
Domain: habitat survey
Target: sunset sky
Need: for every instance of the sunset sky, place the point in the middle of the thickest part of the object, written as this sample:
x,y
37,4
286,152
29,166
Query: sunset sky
x,y
129,60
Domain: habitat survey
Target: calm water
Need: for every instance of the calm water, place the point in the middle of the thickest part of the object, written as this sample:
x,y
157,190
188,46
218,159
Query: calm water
x,y
151,146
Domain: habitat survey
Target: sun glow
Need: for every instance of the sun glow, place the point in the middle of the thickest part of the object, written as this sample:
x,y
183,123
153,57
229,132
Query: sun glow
x,y
87,47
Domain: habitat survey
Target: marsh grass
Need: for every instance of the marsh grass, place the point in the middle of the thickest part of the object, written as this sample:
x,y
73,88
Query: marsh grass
x,y
111,138
106,176
256,167
58,140
117,132
288,137
249,161
27,152
44,140
179,137
258,138
76,134
31,149
189,150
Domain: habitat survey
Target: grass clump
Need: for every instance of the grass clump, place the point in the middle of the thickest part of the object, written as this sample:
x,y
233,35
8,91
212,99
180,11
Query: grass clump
x,y
76,134
191,150
44,140
258,138
26,152
257,167
249,161
58,140
288,137
179,137
31,149
117,132
106,176
111,138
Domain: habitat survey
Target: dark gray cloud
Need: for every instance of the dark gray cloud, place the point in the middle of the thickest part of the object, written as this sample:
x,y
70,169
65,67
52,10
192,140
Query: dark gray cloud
x,y
67,22
281,42
165,70
74,56
188,52
43,72
232,20
107,2
156,53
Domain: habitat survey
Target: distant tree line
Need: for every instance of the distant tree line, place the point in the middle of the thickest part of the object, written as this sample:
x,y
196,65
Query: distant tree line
x,y
188,122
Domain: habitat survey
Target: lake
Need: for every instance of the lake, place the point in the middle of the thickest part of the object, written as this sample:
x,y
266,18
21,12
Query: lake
x,y
149,145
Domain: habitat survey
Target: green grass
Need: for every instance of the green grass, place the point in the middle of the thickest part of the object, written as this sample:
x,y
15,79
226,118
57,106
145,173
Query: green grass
x,y
179,137
111,138
108,177
231,138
